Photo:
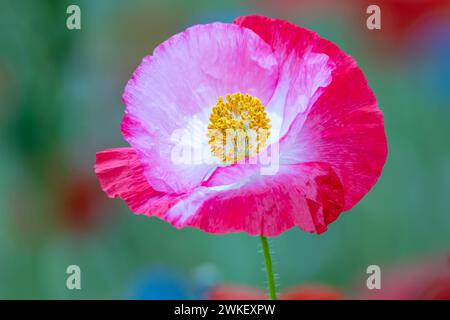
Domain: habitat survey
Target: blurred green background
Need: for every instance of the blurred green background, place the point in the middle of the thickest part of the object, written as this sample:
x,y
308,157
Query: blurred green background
x,y
60,102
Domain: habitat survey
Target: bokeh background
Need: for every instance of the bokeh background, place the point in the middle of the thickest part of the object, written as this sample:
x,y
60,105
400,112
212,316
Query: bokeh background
x,y
60,102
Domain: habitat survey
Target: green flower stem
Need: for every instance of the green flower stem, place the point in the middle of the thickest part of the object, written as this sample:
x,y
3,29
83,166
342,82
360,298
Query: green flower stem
x,y
269,270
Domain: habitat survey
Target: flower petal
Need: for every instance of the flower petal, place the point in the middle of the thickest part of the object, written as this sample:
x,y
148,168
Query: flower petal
x,y
308,195
174,90
303,71
121,175
344,129
341,124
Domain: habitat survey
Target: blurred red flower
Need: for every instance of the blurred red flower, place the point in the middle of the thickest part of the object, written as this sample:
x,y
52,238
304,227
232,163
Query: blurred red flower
x,y
428,280
400,20
80,201
302,292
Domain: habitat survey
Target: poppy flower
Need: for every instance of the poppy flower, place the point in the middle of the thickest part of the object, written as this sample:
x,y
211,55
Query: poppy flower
x,y
308,102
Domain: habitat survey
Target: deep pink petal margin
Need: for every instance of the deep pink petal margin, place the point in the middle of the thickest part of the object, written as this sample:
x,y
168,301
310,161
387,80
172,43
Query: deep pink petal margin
x,y
343,126
308,195
121,175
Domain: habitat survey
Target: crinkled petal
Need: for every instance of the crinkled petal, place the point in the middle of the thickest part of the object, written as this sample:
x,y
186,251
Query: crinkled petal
x,y
345,129
307,195
341,124
303,71
171,94
121,175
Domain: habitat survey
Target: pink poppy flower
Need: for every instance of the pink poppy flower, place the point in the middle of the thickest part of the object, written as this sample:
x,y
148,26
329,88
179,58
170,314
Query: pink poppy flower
x,y
257,73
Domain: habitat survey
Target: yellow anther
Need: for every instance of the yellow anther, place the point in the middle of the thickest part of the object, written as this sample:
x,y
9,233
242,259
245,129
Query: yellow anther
x,y
238,127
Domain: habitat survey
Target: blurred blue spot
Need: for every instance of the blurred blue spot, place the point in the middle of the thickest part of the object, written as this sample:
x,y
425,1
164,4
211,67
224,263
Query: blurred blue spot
x,y
159,284
434,48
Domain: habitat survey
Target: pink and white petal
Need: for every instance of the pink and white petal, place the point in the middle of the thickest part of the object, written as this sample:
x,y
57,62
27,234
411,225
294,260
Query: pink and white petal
x,y
341,124
175,89
344,129
171,166
303,71
266,162
121,175
307,195
232,174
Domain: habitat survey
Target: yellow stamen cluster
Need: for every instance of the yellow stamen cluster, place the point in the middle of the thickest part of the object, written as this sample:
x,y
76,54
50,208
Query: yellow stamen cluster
x,y
238,127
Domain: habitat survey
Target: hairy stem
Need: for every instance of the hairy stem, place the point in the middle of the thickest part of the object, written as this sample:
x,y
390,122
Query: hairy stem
x,y
269,270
